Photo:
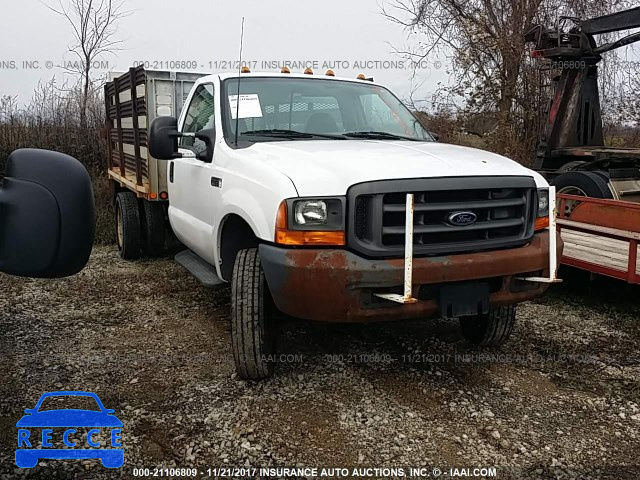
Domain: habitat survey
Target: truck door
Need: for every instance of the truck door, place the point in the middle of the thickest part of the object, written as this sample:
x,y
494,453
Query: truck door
x,y
193,192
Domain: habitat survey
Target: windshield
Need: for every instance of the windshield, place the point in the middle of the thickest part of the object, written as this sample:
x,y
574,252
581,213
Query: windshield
x,y
281,108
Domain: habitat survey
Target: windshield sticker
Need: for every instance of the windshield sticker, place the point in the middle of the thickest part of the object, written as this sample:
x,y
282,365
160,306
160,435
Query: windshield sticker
x,y
249,106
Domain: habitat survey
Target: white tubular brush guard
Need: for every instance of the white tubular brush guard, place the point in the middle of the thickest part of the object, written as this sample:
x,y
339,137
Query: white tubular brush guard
x,y
553,243
407,297
408,260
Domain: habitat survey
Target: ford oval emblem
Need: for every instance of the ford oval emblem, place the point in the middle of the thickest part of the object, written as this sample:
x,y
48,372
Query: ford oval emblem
x,y
462,219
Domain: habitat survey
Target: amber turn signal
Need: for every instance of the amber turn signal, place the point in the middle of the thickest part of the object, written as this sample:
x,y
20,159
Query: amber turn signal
x,y
284,236
541,223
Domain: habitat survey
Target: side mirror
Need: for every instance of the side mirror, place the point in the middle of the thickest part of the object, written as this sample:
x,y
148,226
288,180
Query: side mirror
x,y
163,140
435,136
47,215
208,136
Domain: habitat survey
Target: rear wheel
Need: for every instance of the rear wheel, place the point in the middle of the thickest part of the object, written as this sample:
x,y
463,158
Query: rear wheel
x,y
128,235
252,326
602,174
586,184
154,228
491,329
582,184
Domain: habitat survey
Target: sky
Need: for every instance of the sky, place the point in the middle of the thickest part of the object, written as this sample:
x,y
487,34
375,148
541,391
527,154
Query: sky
x,y
206,34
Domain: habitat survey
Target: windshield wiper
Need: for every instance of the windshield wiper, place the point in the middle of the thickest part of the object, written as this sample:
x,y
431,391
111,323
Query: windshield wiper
x,y
380,135
281,133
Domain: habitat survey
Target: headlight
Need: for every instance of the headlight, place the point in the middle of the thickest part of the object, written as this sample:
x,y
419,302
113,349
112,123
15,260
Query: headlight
x,y
311,221
542,218
543,202
310,212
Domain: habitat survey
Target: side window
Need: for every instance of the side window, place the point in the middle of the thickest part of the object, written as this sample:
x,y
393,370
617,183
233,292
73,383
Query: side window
x,y
199,116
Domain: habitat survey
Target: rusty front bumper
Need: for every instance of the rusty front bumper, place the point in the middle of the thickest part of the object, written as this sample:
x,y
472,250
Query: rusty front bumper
x,y
337,285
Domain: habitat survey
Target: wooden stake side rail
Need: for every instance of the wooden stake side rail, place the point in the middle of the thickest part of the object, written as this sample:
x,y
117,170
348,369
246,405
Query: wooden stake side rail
x,y
135,165
601,236
129,181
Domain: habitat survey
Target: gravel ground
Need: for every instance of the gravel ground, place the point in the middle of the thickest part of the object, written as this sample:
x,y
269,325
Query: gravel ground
x,y
560,400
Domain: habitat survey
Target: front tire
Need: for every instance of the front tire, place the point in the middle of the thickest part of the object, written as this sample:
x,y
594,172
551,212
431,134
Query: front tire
x,y
491,329
128,228
252,328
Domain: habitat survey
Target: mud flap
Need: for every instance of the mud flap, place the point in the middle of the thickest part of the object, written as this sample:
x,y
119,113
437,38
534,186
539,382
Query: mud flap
x,y
464,300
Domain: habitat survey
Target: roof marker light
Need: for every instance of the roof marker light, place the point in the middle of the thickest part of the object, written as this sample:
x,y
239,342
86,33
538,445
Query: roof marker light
x,y
245,69
361,76
285,70
330,73
308,71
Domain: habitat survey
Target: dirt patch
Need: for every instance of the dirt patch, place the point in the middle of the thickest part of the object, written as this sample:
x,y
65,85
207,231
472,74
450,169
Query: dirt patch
x,y
560,400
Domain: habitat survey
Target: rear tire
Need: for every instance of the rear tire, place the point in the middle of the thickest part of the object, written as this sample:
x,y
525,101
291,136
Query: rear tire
x,y
252,327
154,228
491,329
588,184
128,230
602,174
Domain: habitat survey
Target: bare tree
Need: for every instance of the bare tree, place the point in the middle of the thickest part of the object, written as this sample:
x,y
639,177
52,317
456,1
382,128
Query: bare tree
x,y
94,25
491,70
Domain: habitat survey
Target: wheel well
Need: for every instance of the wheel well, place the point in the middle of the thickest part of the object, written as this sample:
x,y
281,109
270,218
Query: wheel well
x,y
116,188
236,235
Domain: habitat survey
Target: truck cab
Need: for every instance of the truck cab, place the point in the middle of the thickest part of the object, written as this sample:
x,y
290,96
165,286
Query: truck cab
x,y
325,198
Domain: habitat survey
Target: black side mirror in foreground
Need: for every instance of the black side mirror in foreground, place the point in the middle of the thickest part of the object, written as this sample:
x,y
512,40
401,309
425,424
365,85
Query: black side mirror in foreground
x,y
47,215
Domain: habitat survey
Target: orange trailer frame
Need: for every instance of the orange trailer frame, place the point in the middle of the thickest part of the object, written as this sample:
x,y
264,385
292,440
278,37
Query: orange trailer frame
x,y
611,219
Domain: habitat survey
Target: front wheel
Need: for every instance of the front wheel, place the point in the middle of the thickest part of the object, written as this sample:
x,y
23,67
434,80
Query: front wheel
x,y
491,329
252,327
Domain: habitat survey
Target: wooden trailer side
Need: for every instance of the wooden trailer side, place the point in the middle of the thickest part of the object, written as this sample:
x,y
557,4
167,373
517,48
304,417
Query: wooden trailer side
x,y
126,124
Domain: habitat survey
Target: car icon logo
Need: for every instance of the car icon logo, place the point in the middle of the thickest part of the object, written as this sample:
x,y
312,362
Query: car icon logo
x,y
462,219
51,423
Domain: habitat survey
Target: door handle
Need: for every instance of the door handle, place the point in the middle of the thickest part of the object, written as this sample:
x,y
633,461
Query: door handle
x,y
216,182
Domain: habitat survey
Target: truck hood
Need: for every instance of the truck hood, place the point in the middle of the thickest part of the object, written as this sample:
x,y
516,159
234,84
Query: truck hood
x,y
330,167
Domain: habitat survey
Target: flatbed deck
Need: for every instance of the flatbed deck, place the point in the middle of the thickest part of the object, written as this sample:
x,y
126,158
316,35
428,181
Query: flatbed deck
x,y
601,236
